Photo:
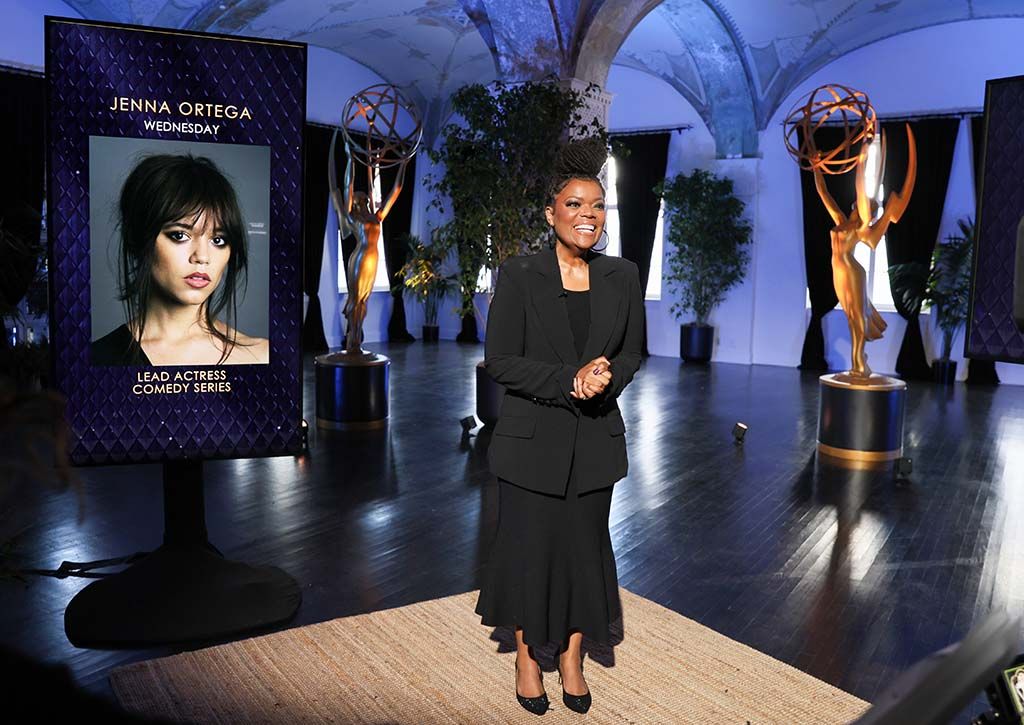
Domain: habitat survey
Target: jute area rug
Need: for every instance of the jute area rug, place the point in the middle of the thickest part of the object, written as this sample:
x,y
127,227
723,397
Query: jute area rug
x,y
433,662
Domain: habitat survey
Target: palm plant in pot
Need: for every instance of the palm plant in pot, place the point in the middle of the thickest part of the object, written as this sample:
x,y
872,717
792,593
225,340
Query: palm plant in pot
x,y
708,252
423,278
948,293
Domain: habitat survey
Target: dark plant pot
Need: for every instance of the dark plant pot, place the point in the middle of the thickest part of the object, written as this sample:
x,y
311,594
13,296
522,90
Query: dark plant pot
x,y
696,342
944,371
488,396
468,331
431,333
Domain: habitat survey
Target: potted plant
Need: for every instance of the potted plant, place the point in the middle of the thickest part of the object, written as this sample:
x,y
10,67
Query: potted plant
x,y
497,160
708,252
948,292
423,279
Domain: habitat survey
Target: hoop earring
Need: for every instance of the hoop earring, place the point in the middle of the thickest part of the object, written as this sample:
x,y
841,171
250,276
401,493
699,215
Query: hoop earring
x,y
607,241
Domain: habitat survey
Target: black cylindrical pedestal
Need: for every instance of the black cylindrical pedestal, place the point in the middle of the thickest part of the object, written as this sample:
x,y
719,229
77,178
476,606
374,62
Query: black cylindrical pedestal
x,y
696,342
431,333
351,391
489,395
861,420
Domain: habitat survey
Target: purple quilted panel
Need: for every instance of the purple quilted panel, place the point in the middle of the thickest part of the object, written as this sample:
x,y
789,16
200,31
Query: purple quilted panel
x,y
992,333
87,65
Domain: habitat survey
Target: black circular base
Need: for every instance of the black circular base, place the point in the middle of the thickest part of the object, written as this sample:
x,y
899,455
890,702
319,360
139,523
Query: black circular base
x,y
489,395
861,420
179,594
351,390
696,342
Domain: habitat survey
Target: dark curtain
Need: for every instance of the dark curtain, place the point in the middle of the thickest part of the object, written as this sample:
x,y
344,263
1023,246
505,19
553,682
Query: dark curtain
x,y
818,249
981,372
912,239
396,226
315,202
638,171
21,187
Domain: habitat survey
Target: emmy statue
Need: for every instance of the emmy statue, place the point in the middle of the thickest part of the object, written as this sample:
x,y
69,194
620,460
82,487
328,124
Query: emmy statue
x,y
352,385
861,413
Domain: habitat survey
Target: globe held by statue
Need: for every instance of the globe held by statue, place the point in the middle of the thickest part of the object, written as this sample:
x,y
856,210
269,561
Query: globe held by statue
x,y
837,106
381,126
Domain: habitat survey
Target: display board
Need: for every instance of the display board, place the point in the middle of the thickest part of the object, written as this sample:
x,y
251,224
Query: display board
x,y
174,198
995,324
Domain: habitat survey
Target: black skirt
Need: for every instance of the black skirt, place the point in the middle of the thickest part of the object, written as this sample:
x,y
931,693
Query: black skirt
x,y
551,569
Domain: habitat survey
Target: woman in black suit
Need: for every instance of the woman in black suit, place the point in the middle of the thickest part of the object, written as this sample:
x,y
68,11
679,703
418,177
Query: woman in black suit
x,y
564,334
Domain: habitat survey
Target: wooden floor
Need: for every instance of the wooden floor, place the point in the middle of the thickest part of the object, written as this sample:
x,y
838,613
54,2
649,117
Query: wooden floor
x,y
850,577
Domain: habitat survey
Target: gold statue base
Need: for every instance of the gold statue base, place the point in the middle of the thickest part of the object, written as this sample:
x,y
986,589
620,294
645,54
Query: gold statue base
x,y
860,419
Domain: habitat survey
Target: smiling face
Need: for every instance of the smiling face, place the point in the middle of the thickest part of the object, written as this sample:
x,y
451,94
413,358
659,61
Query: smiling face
x,y
189,259
578,214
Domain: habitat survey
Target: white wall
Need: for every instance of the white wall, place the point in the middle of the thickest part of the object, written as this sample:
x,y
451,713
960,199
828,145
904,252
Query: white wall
x,y
331,79
765,319
21,32
641,100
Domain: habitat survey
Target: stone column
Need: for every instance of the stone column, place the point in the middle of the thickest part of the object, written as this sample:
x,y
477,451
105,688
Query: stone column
x,y
597,100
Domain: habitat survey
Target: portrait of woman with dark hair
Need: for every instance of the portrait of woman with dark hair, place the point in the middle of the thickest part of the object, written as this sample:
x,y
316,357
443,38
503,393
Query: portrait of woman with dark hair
x,y
182,263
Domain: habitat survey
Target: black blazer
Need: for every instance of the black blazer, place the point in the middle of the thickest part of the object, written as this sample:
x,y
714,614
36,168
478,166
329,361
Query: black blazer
x,y
542,430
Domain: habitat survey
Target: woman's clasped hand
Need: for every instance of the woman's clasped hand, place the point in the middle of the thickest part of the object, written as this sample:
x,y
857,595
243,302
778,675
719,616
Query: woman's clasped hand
x,y
592,378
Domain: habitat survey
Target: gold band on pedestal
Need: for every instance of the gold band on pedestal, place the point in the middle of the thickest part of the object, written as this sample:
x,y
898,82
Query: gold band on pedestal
x,y
865,456
875,382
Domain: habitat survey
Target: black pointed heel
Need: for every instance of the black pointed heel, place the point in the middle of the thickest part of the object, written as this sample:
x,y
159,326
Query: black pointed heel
x,y
536,705
576,703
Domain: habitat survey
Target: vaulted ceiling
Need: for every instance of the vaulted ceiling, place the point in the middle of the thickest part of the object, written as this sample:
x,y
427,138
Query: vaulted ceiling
x,y
735,61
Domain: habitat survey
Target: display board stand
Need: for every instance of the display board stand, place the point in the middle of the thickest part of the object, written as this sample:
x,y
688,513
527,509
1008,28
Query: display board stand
x,y
185,590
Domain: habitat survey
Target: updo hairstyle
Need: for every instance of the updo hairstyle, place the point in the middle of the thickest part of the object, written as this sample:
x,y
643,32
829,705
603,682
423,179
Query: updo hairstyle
x,y
582,160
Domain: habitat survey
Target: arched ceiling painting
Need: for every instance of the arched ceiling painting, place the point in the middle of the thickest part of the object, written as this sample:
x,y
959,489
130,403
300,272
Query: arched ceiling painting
x,y
734,60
